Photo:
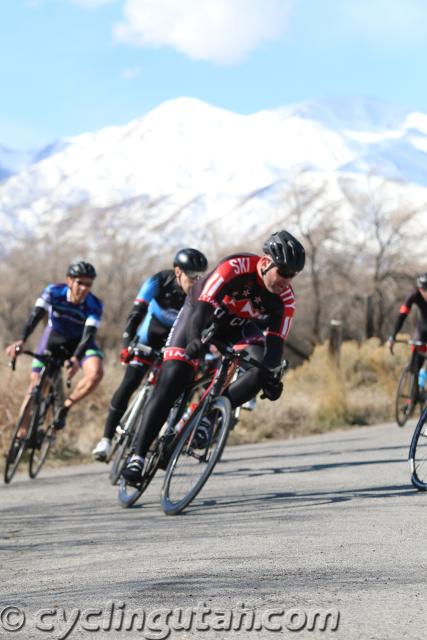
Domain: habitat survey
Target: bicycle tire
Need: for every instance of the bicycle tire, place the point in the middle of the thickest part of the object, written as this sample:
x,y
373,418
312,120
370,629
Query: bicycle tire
x,y
406,396
418,454
42,439
124,442
123,448
129,494
13,460
176,495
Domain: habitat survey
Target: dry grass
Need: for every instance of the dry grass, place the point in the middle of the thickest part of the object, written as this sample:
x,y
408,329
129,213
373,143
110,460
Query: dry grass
x,y
318,397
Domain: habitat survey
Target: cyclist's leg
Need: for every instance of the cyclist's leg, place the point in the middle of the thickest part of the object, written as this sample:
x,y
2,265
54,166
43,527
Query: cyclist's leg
x,y
131,380
93,373
174,376
36,367
251,382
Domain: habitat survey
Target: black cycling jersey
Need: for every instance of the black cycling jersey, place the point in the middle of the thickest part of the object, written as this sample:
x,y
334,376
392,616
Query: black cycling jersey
x,y
415,298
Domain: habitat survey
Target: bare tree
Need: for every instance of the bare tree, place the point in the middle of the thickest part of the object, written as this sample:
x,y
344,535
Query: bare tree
x,y
388,241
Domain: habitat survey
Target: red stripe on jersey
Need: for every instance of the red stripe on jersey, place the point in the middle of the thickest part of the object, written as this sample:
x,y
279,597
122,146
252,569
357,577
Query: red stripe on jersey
x,y
404,309
178,353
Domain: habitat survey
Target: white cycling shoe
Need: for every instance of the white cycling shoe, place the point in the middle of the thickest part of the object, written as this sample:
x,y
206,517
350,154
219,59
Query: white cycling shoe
x,y
102,450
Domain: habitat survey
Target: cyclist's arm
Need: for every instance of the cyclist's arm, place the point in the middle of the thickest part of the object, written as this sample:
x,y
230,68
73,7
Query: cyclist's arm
x,y
149,290
88,336
92,323
133,321
201,318
34,318
403,314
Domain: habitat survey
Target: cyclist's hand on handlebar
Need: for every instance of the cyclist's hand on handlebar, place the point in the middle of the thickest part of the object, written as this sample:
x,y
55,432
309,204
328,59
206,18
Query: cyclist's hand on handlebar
x,y
272,390
195,348
390,344
13,350
72,365
125,355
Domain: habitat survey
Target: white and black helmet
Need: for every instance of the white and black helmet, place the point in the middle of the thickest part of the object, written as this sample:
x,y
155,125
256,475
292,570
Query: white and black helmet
x,y
81,269
191,261
287,253
422,281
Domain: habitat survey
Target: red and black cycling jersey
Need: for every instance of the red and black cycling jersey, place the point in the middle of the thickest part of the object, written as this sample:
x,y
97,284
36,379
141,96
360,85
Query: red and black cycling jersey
x,y
414,299
236,284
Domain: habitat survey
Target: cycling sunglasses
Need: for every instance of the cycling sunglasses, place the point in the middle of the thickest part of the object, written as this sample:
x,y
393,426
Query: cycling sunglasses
x,y
194,275
282,271
83,283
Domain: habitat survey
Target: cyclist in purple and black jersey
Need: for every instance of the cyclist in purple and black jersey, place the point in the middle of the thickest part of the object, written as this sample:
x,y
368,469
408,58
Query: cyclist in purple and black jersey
x,y
73,317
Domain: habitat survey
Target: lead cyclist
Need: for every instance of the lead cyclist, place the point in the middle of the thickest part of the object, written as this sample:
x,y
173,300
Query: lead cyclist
x,y
257,293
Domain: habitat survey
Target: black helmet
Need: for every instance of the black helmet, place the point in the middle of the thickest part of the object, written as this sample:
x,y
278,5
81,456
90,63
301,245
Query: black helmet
x,y
422,281
286,252
81,268
191,261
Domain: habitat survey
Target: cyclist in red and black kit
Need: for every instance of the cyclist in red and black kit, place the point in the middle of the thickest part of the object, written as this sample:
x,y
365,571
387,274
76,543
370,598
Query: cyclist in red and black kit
x,y
419,299
257,293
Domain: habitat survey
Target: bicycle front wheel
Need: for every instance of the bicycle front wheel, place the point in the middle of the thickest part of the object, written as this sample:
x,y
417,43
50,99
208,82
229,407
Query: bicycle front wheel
x,y
123,443
406,396
19,443
418,454
42,438
129,494
190,467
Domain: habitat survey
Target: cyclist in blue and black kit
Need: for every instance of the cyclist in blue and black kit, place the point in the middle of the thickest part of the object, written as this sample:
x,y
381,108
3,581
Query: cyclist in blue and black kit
x,y
154,311
73,317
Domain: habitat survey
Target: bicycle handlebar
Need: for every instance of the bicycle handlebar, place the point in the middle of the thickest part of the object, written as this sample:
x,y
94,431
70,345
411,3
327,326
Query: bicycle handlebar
x,y
146,350
415,343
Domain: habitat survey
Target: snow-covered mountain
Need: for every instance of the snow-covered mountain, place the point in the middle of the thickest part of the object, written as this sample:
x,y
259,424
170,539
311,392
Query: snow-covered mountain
x,y
188,170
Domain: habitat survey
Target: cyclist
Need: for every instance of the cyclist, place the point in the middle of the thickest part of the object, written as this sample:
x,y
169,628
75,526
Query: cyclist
x,y
74,315
257,293
419,299
153,313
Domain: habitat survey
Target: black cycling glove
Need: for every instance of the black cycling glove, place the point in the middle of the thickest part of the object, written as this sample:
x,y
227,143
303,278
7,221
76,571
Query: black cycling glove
x,y
272,390
195,348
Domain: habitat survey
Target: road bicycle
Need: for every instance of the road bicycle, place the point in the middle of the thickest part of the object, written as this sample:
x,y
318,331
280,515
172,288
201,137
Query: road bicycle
x,y
123,441
408,395
37,416
191,463
163,446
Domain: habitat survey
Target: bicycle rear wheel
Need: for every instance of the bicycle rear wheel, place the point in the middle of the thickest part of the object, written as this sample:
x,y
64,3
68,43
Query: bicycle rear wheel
x,y
418,454
189,467
406,396
42,438
19,444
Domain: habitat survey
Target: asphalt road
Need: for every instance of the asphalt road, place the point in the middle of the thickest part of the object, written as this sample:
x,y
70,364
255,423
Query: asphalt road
x,y
281,532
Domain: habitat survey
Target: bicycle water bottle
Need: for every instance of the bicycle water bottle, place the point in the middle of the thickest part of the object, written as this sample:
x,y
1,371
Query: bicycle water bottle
x,y
185,417
422,378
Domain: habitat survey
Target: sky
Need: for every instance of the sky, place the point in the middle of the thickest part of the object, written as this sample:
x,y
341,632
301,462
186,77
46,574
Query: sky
x,y
71,66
